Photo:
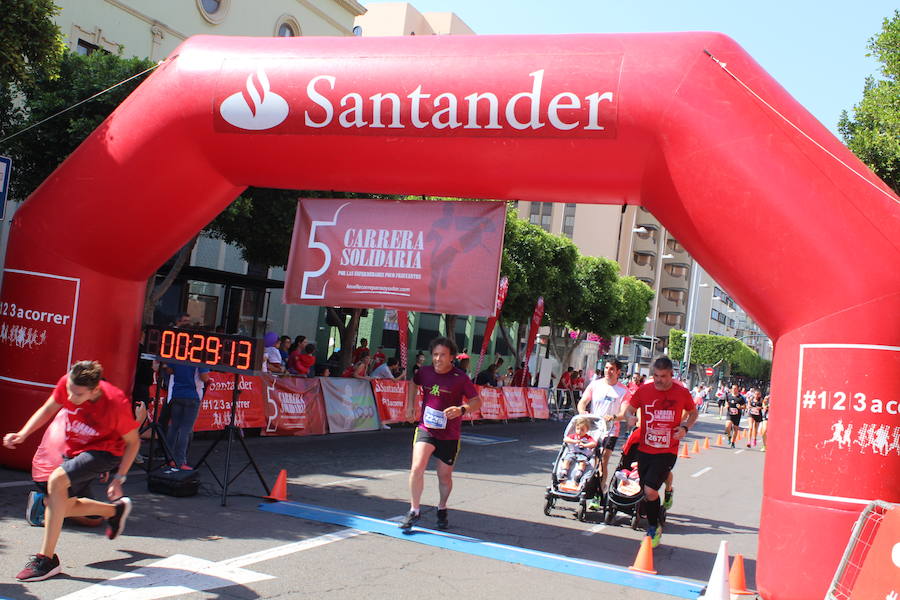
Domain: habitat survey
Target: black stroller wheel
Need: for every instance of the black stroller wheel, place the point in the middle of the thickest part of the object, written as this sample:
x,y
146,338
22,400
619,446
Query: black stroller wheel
x,y
635,520
582,511
609,516
551,501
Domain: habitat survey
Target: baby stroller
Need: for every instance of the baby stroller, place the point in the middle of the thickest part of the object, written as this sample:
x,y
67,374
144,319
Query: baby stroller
x,y
625,493
585,487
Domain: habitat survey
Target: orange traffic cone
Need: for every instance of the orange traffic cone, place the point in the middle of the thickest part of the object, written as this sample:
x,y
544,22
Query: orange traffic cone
x,y
696,448
684,451
736,580
719,440
643,562
279,490
706,443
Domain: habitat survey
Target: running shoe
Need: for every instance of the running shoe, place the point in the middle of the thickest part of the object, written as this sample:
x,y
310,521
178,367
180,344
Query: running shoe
x,y
442,522
655,535
596,503
115,525
412,517
34,512
763,449
732,444
667,503
40,567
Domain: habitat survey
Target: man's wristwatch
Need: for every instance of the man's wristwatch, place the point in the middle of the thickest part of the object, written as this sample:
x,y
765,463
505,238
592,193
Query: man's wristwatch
x,y
121,478
685,427
462,409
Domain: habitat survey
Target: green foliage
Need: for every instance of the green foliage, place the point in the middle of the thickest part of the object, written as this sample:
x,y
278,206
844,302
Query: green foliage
x,y
31,44
710,349
632,298
873,132
37,152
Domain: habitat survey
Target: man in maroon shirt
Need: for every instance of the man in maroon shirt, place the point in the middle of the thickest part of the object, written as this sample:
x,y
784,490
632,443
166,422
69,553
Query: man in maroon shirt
x,y
447,394
667,414
101,436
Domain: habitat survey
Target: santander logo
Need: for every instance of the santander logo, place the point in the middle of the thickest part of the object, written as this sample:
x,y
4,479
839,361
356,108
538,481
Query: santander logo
x,y
255,108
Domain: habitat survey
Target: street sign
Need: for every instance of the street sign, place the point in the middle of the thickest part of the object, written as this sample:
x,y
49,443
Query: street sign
x,y
5,169
709,371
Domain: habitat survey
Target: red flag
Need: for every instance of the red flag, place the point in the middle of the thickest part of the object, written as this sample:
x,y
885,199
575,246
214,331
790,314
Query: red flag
x,y
533,331
403,327
492,321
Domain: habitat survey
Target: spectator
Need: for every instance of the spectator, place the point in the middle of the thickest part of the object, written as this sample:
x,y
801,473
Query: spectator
x,y
487,377
284,343
299,344
420,362
361,350
272,362
378,358
462,361
521,377
386,370
360,369
301,363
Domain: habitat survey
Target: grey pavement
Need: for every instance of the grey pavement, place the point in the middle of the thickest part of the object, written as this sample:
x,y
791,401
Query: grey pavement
x,y
195,548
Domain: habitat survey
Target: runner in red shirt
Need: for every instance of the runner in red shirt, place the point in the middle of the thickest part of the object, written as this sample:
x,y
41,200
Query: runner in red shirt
x,y
668,412
447,394
101,436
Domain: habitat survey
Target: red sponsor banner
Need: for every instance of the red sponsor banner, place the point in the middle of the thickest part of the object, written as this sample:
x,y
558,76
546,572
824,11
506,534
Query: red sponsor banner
x,y
507,96
37,320
391,399
847,422
492,321
879,575
514,400
492,406
439,257
533,331
403,334
537,403
215,408
294,406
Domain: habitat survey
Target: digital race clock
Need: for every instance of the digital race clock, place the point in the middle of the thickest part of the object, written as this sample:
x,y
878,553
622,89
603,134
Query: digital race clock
x,y
215,351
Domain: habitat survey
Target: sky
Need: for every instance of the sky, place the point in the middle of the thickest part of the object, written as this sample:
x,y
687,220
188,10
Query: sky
x,y
814,49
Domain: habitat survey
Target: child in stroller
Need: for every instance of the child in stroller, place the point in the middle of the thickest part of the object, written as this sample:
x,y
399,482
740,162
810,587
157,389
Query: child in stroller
x,y
625,492
576,464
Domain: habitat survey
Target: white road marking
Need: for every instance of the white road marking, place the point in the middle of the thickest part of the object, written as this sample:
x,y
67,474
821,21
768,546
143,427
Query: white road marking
x,y
739,451
179,574
701,472
347,479
594,529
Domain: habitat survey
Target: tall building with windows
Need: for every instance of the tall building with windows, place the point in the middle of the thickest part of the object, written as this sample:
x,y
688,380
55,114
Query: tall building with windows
x,y
402,18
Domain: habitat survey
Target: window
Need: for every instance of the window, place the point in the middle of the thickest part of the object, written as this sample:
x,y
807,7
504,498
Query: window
x,y
650,233
671,318
676,295
731,322
213,11
644,259
568,228
357,31
717,316
677,270
541,214
287,26
85,48
674,247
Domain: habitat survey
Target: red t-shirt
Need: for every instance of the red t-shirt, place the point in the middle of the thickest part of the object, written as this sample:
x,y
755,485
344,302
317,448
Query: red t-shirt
x,y
663,412
443,390
97,425
300,362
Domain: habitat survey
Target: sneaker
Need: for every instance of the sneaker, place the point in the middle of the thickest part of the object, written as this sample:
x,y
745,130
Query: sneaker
x,y
115,525
34,512
442,522
763,449
595,503
655,535
40,567
185,467
412,517
732,444
667,503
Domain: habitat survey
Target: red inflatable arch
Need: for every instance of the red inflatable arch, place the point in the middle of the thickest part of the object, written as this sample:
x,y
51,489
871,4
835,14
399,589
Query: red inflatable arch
x,y
798,230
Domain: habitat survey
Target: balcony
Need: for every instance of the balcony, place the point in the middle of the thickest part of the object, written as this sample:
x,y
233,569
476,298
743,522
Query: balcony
x,y
643,264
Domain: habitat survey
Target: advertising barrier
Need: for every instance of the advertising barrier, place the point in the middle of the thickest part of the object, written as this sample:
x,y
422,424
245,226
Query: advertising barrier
x,y
516,405
215,408
492,406
390,398
349,404
294,406
538,406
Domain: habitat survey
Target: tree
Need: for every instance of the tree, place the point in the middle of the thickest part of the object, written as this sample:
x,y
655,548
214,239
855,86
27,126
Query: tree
x,y
31,44
710,350
873,133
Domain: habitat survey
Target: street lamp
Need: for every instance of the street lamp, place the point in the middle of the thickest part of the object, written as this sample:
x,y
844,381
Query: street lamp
x,y
656,299
692,306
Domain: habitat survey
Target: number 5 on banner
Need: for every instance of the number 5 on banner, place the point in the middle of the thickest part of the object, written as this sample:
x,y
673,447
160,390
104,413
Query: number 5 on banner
x,y
307,275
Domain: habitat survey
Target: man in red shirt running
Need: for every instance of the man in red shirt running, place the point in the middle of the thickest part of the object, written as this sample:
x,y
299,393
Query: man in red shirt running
x,y
668,412
447,394
101,436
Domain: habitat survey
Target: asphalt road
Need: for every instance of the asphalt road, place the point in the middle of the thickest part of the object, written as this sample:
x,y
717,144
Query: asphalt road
x,y
195,548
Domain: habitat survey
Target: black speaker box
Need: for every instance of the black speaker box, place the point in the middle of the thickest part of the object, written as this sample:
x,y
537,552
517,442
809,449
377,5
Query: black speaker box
x,y
173,482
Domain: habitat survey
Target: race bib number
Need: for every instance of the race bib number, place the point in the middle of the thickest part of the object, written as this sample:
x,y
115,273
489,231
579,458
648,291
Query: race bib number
x,y
658,437
754,411
733,411
434,419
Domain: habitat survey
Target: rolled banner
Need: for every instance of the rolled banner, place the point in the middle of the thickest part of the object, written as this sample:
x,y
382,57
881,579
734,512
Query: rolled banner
x,y
532,334
403,325
502,289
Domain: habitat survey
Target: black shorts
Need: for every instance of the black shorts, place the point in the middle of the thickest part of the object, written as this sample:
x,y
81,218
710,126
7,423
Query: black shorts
x,y
445,450
720,401
757,418
609,442
84,468
736,419
654,468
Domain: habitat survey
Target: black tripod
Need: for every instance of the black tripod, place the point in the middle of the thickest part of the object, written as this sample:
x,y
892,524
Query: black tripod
x,y
229,433
156,433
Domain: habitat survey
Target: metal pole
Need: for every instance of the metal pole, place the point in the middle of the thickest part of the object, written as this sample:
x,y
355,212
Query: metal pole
x,y
692,305
660,248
